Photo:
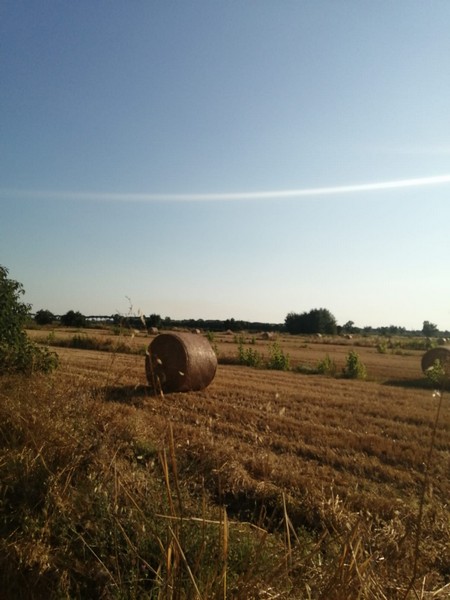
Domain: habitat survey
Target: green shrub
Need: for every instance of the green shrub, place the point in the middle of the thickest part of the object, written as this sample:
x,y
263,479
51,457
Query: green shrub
x,y
327,366
382,347
278,359
249,356
437,374
354,368
17,352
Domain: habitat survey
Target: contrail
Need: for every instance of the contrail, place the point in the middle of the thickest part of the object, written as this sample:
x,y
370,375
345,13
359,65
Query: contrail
x,y
217,197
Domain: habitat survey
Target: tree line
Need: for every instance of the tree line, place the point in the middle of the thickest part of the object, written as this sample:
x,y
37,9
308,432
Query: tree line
x,y
19,353
315,321
76,319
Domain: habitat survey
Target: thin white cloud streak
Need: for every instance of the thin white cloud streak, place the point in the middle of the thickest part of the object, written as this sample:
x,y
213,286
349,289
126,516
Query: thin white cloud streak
x,y
437,150
224,197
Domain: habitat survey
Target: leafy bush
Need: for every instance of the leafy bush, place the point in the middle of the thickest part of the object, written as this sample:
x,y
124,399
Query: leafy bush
x,y
354,368
327,366
249,356
437,374
278,359
17,352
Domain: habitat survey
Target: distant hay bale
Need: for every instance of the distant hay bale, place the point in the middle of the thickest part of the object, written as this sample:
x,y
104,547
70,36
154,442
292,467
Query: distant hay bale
x,y
431,356
153,330
180,362
442,341
267,335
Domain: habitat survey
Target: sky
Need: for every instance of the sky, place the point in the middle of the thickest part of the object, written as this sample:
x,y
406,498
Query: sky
x,y
239,159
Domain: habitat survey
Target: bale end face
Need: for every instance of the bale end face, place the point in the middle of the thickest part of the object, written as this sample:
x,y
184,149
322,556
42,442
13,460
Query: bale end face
x,y
180,362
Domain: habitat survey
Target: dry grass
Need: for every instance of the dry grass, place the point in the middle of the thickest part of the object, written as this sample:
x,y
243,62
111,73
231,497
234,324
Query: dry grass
x,y
265,485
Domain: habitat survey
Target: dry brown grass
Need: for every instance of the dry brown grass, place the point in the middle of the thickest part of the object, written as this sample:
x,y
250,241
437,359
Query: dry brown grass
x,y
332,467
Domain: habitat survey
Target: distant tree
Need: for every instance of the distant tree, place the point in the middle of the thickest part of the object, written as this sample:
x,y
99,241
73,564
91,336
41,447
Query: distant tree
x,y
17,352
317,320
230,324
348,327
429,329
153,321
73,319
44,317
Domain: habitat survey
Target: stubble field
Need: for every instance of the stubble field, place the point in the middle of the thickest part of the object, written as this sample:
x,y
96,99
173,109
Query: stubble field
x,y
368,440
294,452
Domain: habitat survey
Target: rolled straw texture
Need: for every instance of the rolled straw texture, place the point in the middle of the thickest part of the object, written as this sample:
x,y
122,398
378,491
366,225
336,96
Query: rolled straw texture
x,y
180,362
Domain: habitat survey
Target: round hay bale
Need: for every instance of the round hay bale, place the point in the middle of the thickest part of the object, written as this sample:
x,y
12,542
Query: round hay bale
x,y
180,362
431,356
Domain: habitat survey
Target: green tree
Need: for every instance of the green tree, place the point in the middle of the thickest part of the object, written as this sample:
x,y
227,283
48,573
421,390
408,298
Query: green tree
x,y
349,327
429,329
44,317
17,352
317,320
73,319
154,320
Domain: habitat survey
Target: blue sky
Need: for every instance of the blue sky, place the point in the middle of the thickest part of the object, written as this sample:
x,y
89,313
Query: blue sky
x,y
132,134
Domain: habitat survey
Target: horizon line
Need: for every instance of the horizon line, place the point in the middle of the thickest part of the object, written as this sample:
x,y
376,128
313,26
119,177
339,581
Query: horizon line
x,y
228,196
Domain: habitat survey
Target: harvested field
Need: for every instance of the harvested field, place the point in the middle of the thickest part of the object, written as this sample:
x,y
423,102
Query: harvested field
x,y
292,431
397,364
339,461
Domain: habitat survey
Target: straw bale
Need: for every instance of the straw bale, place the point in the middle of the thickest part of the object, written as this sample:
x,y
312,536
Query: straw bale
x,y
442,354
267,335
180,362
